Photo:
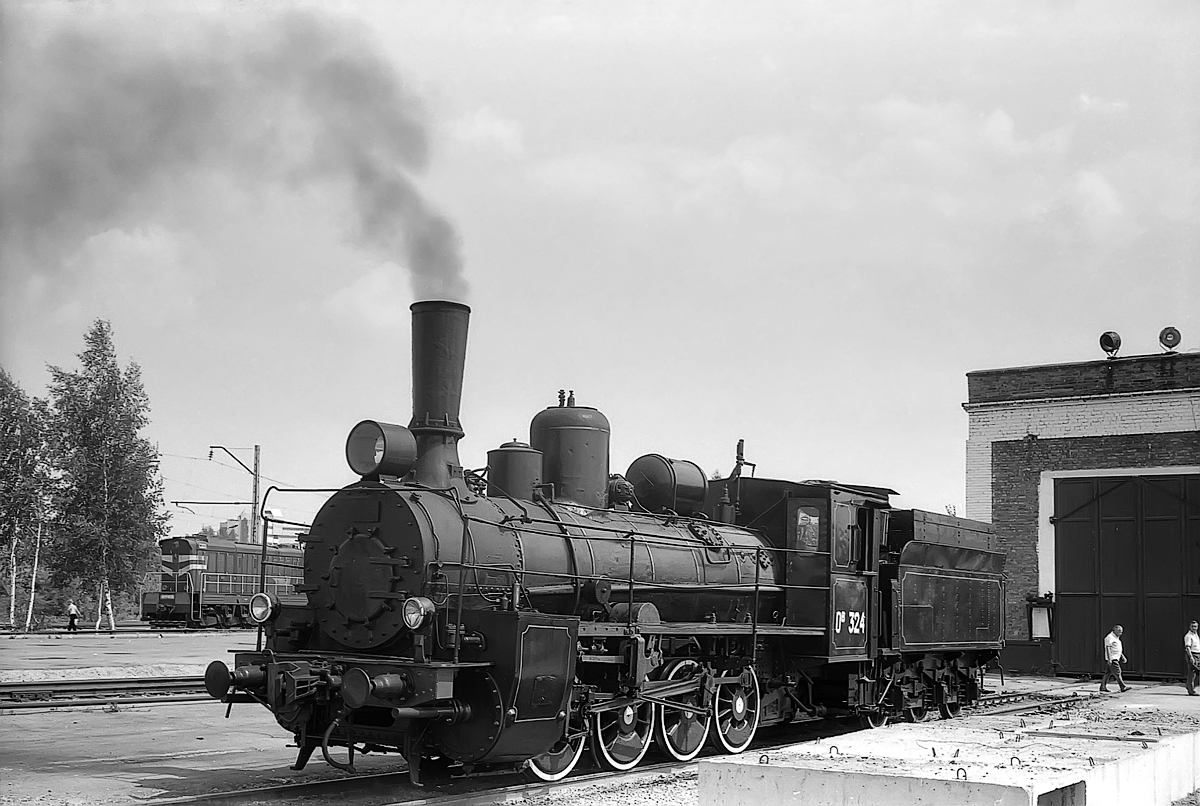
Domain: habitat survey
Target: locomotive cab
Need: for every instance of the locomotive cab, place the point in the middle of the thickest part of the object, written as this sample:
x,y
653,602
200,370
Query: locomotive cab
x,y
831,535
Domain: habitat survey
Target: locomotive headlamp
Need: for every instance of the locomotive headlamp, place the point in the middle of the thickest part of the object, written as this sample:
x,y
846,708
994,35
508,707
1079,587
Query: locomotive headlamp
x,y
374,449
263,607
417,612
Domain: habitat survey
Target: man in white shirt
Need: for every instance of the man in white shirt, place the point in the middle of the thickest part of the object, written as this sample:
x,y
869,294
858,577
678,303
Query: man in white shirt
x,y
1191,657
1114,655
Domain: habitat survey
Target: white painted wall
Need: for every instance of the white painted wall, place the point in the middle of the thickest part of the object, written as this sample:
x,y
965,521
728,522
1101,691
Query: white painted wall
x,y
1111,415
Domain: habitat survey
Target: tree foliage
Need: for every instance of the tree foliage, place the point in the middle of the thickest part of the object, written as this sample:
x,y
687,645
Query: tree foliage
x,y
23,471
108,496
24,490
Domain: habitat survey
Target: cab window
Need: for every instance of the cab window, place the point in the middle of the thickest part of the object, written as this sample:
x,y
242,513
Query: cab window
x,y
843,520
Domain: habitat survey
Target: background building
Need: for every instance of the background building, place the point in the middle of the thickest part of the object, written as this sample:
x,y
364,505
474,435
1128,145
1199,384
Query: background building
x,y
278,534
1091,474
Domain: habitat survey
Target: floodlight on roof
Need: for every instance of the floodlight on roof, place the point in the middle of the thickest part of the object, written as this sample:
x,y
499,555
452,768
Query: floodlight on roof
x,y
1110,342
1169,339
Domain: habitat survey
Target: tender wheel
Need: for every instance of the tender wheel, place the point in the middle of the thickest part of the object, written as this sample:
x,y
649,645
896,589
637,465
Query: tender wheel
x,y
621,737
874,719
919,714
558,762
949,710
946,708
735,714
681,734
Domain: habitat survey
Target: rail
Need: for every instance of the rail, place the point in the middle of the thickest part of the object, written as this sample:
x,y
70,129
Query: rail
x,y
100,691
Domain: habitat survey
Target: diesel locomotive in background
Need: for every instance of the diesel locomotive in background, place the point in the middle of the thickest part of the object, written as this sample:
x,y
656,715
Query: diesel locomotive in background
x,y
551,607
207,581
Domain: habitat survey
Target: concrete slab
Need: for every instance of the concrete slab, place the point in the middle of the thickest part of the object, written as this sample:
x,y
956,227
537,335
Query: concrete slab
x,y
1142,747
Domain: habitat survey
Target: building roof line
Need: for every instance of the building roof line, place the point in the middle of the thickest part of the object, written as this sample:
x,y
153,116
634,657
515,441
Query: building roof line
x,y
1028,401
1099,362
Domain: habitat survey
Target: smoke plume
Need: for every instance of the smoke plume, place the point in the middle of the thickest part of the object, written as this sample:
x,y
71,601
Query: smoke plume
x,y
107,116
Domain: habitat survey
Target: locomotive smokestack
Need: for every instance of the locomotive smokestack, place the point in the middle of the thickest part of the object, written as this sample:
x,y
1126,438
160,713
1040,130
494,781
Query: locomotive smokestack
x,y
439,353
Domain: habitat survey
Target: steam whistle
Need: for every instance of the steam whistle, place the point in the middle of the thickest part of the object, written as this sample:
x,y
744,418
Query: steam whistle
x,y
740,461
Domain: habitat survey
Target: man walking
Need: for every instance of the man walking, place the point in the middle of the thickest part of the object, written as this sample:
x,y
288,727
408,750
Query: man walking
x,y
1191,657
72,617
1114,656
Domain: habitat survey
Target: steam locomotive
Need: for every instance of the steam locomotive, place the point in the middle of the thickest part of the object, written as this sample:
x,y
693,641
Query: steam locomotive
x,y
517,616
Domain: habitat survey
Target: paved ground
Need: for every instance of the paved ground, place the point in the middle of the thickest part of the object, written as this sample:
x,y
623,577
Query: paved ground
x,y
87,756
88,654
97,756
130,753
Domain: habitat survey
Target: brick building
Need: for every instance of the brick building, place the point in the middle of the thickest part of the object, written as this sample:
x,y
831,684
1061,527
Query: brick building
x,y
1091,474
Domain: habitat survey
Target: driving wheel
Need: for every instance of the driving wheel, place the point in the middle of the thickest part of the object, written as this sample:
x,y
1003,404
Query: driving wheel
x,y
559,761
679,733
735,711
621,736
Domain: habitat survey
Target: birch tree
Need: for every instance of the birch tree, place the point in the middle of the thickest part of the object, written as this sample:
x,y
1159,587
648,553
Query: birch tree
x,y
24,483
109,510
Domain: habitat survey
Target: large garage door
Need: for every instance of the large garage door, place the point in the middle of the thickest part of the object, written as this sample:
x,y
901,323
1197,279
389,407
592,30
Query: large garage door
x,y
1127,551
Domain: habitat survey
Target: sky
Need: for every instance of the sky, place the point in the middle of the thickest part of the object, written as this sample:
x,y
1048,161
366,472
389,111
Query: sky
x,y
798,224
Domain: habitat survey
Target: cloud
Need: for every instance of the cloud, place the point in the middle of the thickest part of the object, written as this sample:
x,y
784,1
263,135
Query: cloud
x,y
952,135
1091,103
1084,216
488,131
896,152
1096,200
376,300
751,175
142,273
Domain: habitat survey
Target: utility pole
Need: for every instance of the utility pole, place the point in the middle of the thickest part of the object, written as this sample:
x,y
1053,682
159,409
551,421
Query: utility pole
x,y
262,563
254,522
254,499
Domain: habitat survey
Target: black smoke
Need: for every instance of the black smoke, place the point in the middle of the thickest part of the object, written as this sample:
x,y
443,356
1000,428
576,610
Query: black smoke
x,y
107,116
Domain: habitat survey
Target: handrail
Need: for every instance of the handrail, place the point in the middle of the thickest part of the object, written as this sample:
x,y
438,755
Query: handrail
x,y
754,610
218,582
509,568
629,614
462,577
620,535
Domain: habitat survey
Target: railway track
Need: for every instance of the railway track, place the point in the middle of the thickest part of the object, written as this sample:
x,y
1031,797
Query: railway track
x,y
100,691
393,788
84,632
141,690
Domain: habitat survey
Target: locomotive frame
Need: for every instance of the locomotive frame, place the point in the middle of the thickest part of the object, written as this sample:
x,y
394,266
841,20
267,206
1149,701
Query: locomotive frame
x,y
562,607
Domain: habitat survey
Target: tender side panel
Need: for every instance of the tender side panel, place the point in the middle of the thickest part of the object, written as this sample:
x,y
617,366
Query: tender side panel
x,y
941,608
947,530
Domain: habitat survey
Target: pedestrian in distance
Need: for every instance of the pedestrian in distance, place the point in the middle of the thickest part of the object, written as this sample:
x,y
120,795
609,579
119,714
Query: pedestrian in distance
x,y
72,617
1114,656
1191,657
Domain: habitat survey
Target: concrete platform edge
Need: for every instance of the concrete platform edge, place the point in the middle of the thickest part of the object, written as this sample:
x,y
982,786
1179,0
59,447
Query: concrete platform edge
x,y
1165,771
